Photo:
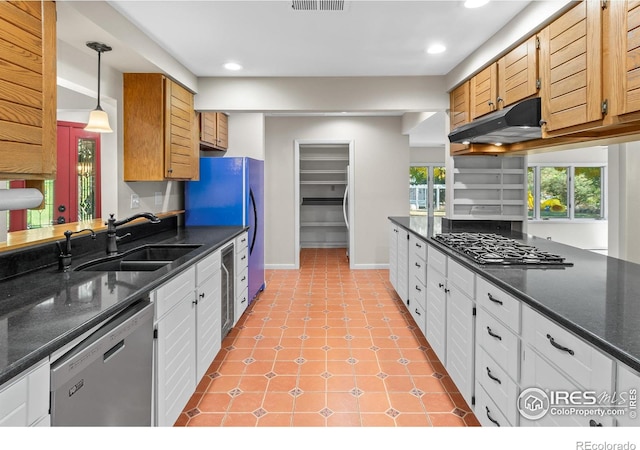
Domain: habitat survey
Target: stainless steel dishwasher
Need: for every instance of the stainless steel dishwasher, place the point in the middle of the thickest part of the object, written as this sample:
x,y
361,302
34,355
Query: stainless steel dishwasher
x,y
106,380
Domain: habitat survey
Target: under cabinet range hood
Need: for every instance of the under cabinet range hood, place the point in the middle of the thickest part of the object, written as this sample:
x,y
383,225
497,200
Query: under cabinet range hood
x,y
515,123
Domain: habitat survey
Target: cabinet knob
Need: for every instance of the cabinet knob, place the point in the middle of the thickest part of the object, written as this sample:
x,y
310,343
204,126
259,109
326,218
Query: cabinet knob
x,y
543,122
202,295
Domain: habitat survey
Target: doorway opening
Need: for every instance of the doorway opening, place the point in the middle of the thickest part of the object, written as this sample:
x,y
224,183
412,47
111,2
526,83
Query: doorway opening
x,y
324,196
427,189
74,196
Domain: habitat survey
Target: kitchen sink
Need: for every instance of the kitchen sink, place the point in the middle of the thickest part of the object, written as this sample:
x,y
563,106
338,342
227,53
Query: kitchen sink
x,y
146,258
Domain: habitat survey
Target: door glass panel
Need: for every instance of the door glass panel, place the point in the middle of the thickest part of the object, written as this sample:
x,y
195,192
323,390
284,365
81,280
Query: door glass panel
x,y
531,184
86,177
553,192
39,218
418,190
439,178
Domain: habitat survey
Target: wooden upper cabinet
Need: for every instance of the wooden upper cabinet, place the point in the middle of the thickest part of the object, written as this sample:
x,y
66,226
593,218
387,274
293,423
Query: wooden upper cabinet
x,y
459,105
571,70
27,89
623,41
518,73
483,91
213,131
160,129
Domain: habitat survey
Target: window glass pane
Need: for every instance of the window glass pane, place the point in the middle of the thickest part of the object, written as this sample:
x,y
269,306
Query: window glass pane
x,y
418,186
531,183
86,179
553,192
587,192
439,177
40,218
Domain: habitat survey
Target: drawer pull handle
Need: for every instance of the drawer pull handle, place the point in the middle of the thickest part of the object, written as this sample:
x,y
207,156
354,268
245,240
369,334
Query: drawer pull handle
x,y
243,278
418,265
593,423
493,335
493,377
494,300
559,347
244,299
418,245
243,257
440,285
418,312
418,288
202,295
491,418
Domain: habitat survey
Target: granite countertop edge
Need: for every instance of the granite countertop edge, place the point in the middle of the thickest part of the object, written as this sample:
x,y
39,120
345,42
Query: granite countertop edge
x,y
17,367
600,342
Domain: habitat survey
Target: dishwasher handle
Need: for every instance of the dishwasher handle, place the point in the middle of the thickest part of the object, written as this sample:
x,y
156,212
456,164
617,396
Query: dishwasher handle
x,y
103,344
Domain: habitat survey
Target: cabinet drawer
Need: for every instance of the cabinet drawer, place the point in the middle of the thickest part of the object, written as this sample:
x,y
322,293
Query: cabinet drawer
x,y
25,399
242,259
175,290
417,269
497,383
437,260
499,303
417,294
572,355
537,372
499,342
242,279
462,277
242,301
208,267
242,241
627,381
418,247
486,410
418,314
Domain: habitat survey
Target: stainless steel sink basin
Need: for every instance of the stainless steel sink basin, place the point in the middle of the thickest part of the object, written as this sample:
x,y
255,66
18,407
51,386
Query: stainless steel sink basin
x,y
146,258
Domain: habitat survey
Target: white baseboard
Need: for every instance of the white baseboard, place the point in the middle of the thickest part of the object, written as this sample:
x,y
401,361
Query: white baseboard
x,y
371,266
280,266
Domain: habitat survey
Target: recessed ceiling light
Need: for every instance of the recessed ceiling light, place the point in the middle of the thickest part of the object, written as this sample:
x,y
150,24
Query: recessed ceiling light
x,y
232,66
475,3
434,49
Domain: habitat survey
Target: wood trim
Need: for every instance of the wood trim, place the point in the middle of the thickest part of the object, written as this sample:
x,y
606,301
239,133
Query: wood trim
x,y
27,238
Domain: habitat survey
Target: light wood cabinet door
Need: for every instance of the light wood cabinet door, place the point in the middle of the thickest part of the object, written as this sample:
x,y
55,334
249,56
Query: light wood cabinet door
x,y
27,89
623,24
571,70
483,91
223,130
459,105
214,131
518,73
160,130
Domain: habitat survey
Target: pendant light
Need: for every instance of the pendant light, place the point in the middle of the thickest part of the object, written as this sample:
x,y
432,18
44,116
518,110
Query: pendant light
x,y
98,119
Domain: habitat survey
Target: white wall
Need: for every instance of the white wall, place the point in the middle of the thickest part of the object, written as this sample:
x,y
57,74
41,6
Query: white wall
x,y
380,182
246,135
427,155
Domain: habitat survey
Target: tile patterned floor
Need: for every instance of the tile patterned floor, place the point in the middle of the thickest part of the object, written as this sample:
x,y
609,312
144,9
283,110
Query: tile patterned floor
x,y
326,346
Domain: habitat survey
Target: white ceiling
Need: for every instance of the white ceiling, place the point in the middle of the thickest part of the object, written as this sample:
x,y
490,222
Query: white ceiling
x,y
269,38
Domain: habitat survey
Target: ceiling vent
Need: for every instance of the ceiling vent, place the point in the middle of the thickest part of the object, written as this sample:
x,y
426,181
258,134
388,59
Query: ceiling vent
x,y
317,5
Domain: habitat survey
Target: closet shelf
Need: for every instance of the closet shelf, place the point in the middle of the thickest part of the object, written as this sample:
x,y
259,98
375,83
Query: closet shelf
x,y
322,201
322,224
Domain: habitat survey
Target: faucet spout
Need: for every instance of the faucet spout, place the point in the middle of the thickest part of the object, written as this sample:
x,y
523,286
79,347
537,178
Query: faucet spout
x,y
112,224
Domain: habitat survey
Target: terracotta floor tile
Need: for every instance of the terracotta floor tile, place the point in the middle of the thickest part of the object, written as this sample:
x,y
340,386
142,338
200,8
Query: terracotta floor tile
x,y
325,346
275,420
310,402
240,420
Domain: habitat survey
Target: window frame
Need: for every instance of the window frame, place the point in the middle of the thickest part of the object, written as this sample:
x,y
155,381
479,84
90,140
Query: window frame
x,y
570,192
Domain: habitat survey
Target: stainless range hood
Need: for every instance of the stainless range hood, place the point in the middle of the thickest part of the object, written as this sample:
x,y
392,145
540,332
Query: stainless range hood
x,y
515,123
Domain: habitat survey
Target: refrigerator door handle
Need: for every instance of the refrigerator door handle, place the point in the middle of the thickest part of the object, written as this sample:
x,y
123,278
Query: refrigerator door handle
x,y
344,206
255,214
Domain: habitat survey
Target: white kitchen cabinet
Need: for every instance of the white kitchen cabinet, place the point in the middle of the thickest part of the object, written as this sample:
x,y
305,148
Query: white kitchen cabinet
x,y
417,296
436,311
175,352
208,312
486,411
628,383
498,385
24,400
399,260
242,275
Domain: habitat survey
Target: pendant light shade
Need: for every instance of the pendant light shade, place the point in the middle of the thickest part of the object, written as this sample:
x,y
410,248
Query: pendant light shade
x,y
98,119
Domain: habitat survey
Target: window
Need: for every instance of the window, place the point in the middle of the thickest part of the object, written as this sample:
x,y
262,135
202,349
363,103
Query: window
x,y
566,192
427,190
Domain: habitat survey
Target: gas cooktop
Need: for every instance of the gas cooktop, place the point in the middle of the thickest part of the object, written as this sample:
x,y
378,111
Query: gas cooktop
x,y
489,248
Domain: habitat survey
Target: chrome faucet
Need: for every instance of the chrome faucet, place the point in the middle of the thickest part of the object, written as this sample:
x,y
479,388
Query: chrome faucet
x,y
112,224
64,258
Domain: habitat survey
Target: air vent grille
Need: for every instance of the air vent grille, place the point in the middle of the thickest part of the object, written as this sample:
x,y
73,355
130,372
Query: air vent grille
x,y
317,5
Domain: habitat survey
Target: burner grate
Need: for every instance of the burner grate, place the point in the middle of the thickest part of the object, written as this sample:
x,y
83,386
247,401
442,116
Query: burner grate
x,y
489,248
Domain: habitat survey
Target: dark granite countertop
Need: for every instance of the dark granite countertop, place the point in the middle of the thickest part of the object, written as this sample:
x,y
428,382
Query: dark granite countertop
x,y
43,310
598,298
